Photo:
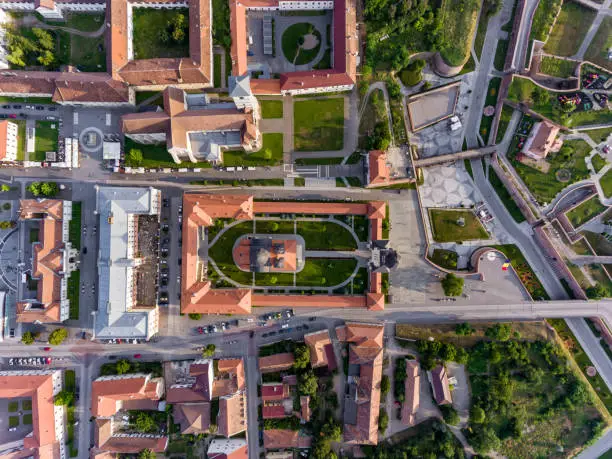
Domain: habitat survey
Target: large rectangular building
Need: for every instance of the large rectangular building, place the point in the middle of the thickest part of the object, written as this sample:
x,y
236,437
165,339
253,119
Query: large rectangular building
x,y
119,314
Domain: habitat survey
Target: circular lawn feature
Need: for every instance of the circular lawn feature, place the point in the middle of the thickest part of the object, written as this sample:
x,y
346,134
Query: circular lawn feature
x,y
563,175
301,43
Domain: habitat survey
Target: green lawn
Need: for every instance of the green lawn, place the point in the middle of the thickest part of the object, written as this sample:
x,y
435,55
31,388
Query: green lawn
x,y
545,186
445,226
274,227
543,19
599,135
157,156
26,100
585,211
557,67
524,271
325,272
21,139
606,183
598,49
271,142
598,162
481,32
88,54
292,39
74,281
27,419
570,29
86,22
13,407
491,99
217,70
299,181
26,405
147,40
459,26
74,227
325,236
504,195
319,124
271,108
46,139
504,120
34,235
13,421
445,258
500,54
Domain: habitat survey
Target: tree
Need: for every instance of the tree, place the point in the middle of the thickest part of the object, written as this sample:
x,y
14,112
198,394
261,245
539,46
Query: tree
x,y
58,336
462,356
209,350
452,285
6,224
499,331
484,440
301,354
177,27
332,430
274,227
448,352
308,383
383,420
597,292
492,7
46,58
5,188
464,329
267,154
195,316
122,366
385,385
477,415
426,86
450,415
34,188
540,96
6,206
147,454
28,337
16,57
63,398
568,106
49,189
135,156
145,423
44,38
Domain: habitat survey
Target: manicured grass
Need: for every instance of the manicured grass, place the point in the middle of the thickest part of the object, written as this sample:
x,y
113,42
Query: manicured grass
x,y
598,162
147,42
570,29
557,67
27,419
543,19
354,181
491,99
274,227
506,198
157,156
86,22
26,405
504,120
444,258
13,421
468,168
599,135
458,30
74,227
88,54
221,250
598,49
141,96
292,39
507,27
585,211
481,32
319,124
500,54
325,236
271,142
606,183
13,407
217,70
524,271
46,139
73,294
271,108
340,183
325,272
545,186
70,380
445,226
21,139
26,100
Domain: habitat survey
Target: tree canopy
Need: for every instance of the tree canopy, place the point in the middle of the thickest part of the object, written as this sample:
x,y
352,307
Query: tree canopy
x,y
301,354
58,336
452,285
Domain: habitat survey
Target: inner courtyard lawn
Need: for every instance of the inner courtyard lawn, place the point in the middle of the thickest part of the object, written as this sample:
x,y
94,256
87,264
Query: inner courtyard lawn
x,y
46,139
271,108
156,156
585,211
149,26
446,228
326,236
318,124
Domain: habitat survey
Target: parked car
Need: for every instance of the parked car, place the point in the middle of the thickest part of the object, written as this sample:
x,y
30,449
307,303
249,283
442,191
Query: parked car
x,y
137,356
17,107
12,115
40,107
47,349
52,109
6,106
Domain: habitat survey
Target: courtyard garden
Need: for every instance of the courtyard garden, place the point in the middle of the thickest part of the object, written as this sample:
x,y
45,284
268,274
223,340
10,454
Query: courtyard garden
x,y
160,32
569,30
46,140
585,211
318,124
301,43
455,225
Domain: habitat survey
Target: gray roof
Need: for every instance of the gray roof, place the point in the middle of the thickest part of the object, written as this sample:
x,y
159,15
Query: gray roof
x,y
117,208
240,86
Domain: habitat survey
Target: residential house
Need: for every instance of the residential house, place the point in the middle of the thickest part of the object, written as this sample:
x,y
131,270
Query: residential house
x,y
412,392
233,448
285,439
276,362
276,401
321,350
542,140
440,385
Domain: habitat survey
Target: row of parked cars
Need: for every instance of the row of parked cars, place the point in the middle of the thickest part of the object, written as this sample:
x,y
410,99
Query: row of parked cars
x,y
30,361
286,314
215,328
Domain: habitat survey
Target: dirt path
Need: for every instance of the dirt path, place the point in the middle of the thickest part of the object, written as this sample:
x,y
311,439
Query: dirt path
x,y
32,21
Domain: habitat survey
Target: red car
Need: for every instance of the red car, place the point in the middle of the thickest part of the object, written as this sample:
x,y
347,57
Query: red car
x,y
137,356
200,330
47,349
48,360
12,115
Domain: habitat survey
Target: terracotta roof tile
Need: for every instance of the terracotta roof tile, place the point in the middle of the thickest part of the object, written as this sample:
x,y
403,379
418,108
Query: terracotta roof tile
x,y
412,390
441,388
281,439
276,362
232,417
108,392
316,342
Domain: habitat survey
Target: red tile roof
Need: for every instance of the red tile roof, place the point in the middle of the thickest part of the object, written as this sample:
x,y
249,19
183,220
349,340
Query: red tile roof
x,y
274,391
276,362
108,393
232,417
412,391
441,388
317,342
276,411
280,439
378,172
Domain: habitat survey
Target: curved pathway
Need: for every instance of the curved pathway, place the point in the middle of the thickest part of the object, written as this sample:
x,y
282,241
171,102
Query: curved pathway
x,y
380,85
32,21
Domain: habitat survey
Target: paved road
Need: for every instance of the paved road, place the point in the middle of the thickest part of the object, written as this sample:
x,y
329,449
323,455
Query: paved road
x,y
518,63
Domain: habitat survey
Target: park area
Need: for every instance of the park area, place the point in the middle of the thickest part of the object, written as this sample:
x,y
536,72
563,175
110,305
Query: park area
x,y
160,32
601,43
606,183
569,30
318,124
449,225
586,211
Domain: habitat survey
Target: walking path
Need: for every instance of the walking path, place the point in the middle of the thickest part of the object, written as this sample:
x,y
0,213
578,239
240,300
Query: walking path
x,y
32,21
